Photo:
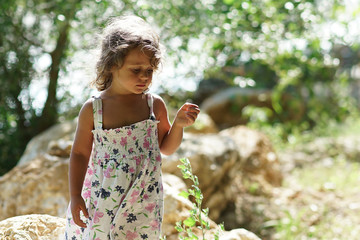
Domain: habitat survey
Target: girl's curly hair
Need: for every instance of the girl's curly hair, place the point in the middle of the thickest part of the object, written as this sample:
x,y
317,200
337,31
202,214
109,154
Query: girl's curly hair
x,y
121,35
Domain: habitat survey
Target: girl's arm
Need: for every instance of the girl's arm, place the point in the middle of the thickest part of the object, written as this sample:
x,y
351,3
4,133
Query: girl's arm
x,y
170,136
79,158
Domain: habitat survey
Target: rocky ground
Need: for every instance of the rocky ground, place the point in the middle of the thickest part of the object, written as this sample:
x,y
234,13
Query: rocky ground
x,y
319,197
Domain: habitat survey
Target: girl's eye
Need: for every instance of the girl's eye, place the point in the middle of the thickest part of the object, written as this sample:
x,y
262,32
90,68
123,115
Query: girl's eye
x,y
136,70
150,71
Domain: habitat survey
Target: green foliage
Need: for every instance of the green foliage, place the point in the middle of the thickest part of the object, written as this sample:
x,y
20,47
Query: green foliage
x,y
276,44
32,31
198,216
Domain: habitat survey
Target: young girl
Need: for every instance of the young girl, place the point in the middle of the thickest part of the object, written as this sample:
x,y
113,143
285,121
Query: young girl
x,y
118,193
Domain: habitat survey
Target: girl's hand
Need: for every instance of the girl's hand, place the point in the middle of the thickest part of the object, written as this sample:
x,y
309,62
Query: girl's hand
x,y
186,115
77,205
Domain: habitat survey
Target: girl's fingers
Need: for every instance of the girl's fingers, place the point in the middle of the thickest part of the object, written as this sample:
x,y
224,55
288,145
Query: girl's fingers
x,y
190,106
192,115
77,219
85,212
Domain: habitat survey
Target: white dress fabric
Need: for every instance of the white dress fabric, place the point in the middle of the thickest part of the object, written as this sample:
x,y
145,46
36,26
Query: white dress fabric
x,y
122,188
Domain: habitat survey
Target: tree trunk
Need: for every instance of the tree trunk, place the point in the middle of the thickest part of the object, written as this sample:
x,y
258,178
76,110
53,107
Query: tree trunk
x,y
49,113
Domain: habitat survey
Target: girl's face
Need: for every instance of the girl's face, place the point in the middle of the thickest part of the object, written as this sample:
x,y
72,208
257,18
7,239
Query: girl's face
x,y
135,76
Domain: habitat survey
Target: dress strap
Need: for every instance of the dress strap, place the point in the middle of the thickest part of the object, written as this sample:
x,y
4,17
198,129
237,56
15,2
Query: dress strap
x,y
150,101
97,110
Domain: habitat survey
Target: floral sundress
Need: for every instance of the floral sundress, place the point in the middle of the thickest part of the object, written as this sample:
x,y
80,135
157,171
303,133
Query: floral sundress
x,y
122,189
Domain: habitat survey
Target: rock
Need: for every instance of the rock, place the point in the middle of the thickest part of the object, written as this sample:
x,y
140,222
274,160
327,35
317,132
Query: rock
x,y
260,171
226,107
203,124
46,227
28,227
39,145
176,208
38,186
60,148
257,155
239,234
212,157
236,161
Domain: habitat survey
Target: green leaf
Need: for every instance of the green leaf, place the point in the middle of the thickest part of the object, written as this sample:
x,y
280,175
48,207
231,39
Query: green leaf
x,y
228,2
196,181
178,227
190,222
206,211
182,167
184,194
192,192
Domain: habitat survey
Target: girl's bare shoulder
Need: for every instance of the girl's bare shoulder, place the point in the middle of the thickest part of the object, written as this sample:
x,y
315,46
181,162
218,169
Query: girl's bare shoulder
x,y
87,107
159,104
86,113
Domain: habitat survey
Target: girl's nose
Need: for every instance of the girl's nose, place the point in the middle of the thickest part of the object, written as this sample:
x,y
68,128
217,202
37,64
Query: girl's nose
x,y
145,74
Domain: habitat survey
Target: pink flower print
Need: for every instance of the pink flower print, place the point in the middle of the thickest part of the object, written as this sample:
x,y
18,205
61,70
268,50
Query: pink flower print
x,y
87,183
146,197
146,144
97,216
134,196
131,235
91,225
100,111
132,170
123,141
107,172
138,161
134,138
97,238
129,132
149,131
125,214
131,150
142,184
90,172
114,141
150,207
133,200
87,194
158,158
106,156
135,193
77,231
154,225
